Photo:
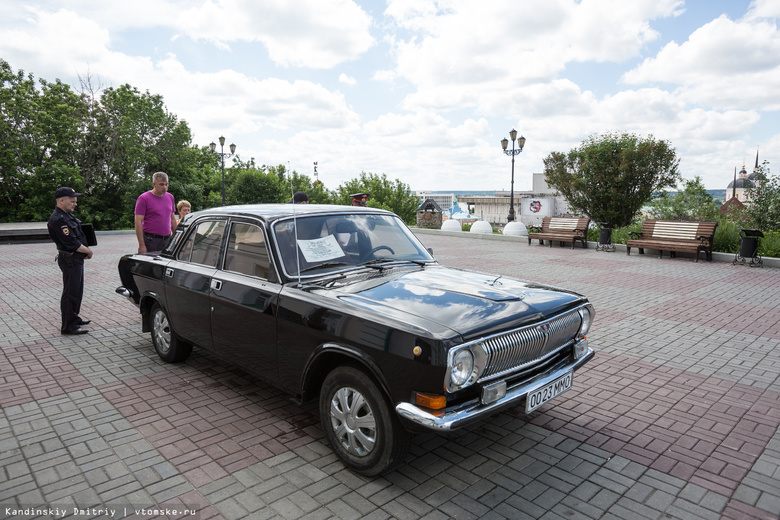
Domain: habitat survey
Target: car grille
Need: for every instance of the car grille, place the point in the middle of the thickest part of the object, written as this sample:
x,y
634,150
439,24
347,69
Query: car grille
x,y
518,349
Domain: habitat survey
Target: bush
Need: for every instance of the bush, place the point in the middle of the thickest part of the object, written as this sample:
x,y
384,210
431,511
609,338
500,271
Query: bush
x,y
619,235
727,237
770,244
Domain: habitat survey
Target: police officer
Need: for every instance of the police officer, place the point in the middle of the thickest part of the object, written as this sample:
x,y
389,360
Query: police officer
x,y
65,230
360,199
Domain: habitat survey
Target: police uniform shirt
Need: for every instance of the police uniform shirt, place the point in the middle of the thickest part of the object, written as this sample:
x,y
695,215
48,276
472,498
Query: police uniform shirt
x,y
65,230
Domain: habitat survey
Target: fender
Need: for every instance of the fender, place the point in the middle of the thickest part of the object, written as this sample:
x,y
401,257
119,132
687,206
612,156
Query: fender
x,y
313,374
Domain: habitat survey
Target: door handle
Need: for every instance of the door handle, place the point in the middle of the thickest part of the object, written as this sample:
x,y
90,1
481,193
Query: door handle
x,y
216,284
169,272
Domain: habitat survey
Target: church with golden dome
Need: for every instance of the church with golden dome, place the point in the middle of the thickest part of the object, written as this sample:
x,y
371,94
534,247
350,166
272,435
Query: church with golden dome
x,y
738,188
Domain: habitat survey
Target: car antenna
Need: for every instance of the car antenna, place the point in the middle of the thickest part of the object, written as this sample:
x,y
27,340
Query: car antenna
x,y
295,225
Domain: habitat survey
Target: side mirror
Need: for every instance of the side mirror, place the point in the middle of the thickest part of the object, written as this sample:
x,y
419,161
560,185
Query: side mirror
x,y
430,250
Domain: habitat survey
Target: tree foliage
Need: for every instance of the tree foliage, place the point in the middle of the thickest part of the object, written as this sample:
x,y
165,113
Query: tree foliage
x,y
253,186
610,177
692,203
104,144
763,212
39,143
394,196
130,136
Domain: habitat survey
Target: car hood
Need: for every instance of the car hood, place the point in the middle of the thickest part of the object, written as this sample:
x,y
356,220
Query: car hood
x,y
436,298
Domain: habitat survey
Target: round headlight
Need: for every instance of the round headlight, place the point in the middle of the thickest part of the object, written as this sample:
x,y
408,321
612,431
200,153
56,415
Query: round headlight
x,y
462,367
587,320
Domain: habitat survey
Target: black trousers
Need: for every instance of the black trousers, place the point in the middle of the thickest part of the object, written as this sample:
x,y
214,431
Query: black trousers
x,y
72,291
155,242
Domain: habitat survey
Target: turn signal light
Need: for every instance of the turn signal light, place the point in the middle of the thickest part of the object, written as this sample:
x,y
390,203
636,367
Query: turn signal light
x,y
432,401
580,348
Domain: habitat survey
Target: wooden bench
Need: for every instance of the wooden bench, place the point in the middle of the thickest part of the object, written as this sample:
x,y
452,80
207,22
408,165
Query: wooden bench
x,y
561,229
674,236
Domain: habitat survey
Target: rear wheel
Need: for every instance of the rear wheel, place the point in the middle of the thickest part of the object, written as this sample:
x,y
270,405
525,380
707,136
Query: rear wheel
x,y
167,345
362,429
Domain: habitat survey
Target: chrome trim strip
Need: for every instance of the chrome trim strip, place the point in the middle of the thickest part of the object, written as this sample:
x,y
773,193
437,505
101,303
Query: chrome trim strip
x,y
477,411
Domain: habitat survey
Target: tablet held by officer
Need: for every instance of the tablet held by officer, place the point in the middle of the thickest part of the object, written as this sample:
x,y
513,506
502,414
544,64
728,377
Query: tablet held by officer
x,y
72,249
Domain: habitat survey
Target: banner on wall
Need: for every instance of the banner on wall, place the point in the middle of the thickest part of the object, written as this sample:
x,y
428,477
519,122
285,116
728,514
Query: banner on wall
x,y
537,206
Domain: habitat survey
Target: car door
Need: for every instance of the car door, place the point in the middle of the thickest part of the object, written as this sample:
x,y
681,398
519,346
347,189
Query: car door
x,y
243,300
189,279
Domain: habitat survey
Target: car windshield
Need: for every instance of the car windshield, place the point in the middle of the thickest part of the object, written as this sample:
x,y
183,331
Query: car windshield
x,y
329,243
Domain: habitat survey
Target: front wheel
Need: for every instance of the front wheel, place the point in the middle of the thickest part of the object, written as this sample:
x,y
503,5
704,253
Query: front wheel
x,y
168,346
360,426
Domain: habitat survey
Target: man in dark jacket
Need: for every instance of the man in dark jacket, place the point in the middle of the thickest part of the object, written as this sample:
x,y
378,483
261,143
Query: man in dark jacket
x,y
65,230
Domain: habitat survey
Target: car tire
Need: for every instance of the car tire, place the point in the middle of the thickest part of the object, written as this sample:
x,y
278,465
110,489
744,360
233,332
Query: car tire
x,y
360,426
166,343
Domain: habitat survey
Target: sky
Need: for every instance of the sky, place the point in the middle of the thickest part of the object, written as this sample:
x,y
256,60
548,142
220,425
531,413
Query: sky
x,y
423,91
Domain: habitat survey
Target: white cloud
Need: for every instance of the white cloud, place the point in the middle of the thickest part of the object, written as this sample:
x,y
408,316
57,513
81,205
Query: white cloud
x,y
43,39
467,54
763,9
307,33
347,80
732,64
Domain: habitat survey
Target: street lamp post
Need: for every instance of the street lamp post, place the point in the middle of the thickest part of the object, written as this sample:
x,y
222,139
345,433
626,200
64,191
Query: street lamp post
x,y
222,154
512,153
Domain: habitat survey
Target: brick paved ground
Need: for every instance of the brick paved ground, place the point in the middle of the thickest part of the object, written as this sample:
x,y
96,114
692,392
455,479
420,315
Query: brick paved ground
x,y
676,417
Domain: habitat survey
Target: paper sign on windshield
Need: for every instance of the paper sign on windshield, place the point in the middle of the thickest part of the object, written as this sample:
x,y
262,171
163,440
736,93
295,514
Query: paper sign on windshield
x,y
320,249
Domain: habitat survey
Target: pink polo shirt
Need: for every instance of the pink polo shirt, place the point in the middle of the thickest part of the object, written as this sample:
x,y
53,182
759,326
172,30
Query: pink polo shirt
x,y
157,212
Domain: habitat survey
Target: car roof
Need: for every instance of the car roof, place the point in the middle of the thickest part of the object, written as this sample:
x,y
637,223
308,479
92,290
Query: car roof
x,y
271,212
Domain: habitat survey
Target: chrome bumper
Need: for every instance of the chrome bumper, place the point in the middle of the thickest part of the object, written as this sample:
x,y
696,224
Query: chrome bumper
x,y
476,411
127,293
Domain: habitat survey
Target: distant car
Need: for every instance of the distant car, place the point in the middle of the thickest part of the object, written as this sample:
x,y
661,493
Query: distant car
x,y
344,303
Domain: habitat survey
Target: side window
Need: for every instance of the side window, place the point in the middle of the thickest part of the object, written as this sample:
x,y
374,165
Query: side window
x,y
186,249
202,246
171,245
247,252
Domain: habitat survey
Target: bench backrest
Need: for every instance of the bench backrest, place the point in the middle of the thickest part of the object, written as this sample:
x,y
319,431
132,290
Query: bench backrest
x,y
564,223
677,230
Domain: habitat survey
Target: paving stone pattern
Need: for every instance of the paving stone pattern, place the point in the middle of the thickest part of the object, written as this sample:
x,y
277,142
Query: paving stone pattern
x,y
676,417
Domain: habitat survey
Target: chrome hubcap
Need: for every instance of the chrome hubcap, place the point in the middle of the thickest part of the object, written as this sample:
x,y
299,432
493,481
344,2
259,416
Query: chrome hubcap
x,y
353,421
162,331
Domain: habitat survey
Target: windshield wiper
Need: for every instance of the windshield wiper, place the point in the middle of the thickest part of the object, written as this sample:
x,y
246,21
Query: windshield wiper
x,y
374,263
324,266
382,263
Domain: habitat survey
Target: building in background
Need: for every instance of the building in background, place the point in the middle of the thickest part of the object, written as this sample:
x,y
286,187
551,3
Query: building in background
x,y
444,200
738,188
531,206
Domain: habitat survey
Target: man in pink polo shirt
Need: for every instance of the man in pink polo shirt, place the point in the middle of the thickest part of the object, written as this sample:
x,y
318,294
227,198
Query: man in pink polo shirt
x,y
155,215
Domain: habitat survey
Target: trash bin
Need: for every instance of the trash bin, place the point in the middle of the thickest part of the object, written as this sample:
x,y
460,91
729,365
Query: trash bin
x,y
748,248
605,238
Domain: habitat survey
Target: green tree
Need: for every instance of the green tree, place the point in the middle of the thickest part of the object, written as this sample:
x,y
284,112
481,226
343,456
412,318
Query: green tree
x,y
610,177
131,135
39,143
763,211
299,182
394,196
692,203
255,186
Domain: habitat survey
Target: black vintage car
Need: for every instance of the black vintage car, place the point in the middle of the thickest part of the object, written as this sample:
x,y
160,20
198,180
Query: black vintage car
x,y
344,304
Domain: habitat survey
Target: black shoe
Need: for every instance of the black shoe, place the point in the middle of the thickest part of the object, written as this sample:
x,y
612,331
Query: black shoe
x,y
84,322
77,331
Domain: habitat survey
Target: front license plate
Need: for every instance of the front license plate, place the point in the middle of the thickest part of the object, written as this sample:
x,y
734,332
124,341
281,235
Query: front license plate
x,y
538,397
